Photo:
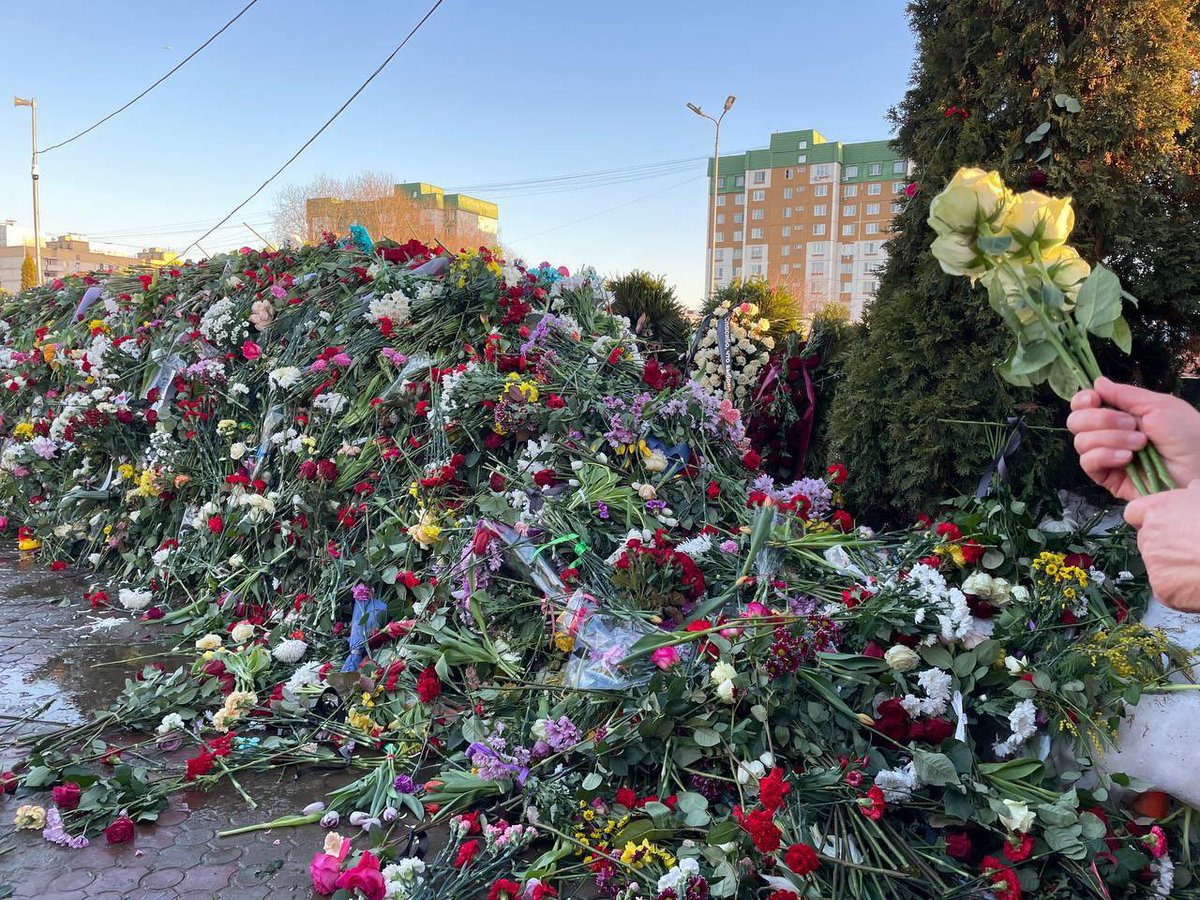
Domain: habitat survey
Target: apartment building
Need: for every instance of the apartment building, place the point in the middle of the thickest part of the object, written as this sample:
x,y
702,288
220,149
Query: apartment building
x,y
414,209
808,214
67,254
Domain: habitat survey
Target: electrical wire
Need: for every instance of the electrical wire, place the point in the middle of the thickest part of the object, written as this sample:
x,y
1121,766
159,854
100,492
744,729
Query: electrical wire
x,y
362,87
606,211
177,67
634,170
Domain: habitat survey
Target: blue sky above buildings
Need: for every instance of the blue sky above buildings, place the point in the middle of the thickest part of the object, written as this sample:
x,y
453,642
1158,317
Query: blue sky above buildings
x,y
487,92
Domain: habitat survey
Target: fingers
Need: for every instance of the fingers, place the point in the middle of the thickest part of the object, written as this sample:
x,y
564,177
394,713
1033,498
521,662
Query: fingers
x,y
1099,462
1086,400
1111,440
1086,419
1135,400
1137,510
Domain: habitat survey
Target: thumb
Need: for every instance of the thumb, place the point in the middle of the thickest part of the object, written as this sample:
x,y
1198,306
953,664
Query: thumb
x,y
1127,397
1137,510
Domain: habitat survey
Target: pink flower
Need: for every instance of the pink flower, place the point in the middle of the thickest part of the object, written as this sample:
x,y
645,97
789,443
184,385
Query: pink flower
x,y
729,413
364,876
341,359
754,609
665,657
319,365
251,350
323,870
278,292
3,523
911,189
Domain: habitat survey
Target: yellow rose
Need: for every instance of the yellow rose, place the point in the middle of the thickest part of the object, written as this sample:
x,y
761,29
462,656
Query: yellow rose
x,y
1036,217
29,817
957,255
1068,269
971,194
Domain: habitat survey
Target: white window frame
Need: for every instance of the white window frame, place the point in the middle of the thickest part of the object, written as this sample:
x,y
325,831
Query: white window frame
x,y
787,193
721,200
758,196
874,169
760,177
875,189
820,210
900,167
737,237
872,209
819,229
756,234
848,230
872,228
757,215
849,209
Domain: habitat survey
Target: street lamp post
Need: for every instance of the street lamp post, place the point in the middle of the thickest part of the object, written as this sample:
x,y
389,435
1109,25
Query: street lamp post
x,y
712,237
37,213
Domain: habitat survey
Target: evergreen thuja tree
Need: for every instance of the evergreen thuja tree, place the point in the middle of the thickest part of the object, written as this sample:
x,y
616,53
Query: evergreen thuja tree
x,y
28,273
1094,100
649,304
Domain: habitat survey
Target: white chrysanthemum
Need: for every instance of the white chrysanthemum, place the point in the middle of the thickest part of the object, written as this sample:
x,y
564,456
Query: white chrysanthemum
x,y
898,785
332,403
285,376
134,599
290,651
170,722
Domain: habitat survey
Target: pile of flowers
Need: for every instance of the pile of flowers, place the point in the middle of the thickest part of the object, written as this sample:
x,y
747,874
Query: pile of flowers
x,y
437,518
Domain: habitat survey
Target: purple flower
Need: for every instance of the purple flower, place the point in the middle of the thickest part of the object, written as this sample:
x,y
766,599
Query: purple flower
x,y
362,593
602,509
404,784
562,734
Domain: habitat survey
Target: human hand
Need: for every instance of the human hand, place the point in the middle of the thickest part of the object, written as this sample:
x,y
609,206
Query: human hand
x,y
1107,438
1167,525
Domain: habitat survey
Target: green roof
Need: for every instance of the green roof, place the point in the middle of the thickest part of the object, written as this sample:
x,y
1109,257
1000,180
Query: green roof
x,y
784,150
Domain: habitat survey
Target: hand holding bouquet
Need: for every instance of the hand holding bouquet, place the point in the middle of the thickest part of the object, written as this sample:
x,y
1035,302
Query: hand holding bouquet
x,y
1016,244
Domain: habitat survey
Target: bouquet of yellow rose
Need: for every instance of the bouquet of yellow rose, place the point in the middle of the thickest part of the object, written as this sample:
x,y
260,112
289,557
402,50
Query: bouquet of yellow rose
x,y
1016,244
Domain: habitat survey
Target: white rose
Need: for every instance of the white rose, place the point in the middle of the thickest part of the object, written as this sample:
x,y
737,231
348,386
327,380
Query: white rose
x,y
209,642
655,462
237,451
647,492
971,194
1020,817
242,632
722,671
725,691
901,658
1034,216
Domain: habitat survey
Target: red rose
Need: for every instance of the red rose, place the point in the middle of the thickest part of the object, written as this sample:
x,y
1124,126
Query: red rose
x,y
801,859
555,402
365,877
751,460
8,782
932,730
496,482
959,845
493,441
465,854
873,650
409,579
783,895
66,795
545,478
119,831
893,720
251,350
151,417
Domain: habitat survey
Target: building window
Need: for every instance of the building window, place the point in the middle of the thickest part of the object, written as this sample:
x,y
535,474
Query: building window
x,y
756,270
821,171
849,190
737,254
847,230
756,252
740,181
803,145
787,193
785,250
898,187
783,270
872,209
847,268
737,237
720,272
720,218
802,159
850,210
787,173
756,234
820,210
760,177
818,229
875,169
738,218
818,268
721,181
869,248
897,208
721,200
872,228
822,190
847,249
737,271
787,212
787,230
850,172
900,167
739,200
720,237
874,189
757,215
759,196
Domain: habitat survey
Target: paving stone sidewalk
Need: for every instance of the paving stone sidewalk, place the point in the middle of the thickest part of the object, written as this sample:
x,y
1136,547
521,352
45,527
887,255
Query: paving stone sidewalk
x,y
55,656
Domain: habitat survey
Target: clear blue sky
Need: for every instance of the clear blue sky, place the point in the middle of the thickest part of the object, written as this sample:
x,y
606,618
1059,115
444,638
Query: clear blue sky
x,y
486,92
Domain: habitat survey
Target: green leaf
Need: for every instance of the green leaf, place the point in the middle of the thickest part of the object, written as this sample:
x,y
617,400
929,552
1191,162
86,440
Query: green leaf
x,y
1099,300
934,768
1038,133
1062,380
1030,358
937,655
706,737
1121,336
1026,768
593,781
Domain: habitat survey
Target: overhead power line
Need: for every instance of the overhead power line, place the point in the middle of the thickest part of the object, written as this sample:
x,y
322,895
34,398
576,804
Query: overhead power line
x,y
362,87
177,67
546,181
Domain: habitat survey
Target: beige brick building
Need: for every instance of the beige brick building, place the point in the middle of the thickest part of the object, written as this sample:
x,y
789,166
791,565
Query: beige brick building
x,y
809,214
66,254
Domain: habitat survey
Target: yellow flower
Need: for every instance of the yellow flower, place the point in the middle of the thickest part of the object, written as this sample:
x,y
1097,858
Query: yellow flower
x,y
48,352
1067,268
426,531
30,818
957,255
971,195
28,544
125,470
1034,217
564,642
97,325
23,431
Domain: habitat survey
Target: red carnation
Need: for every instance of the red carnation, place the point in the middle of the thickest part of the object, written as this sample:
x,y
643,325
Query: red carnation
x,y
973,551
409,579
555,402
801,859
626,798
504,889
751,460
872,806
216,524
428,685
713,490
842,521
761,827
948,531
838,473
772,790
466,853
1004,882
959,845
1018,847
200,765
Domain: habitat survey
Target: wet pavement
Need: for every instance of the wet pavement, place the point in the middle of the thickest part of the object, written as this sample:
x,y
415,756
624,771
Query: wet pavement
x,y
60,662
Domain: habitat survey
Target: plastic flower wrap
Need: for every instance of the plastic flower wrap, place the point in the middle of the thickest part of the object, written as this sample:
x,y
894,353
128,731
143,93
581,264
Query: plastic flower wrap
x,y
1053,301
